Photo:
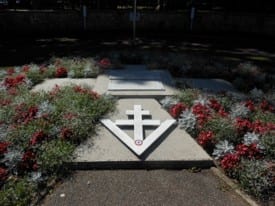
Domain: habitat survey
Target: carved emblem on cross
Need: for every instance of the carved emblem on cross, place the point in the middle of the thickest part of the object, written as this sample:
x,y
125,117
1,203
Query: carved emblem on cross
x,y
138,144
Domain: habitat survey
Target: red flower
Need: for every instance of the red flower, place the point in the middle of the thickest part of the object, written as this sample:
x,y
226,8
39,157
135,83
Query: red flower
x,y
12,91
32,111
66,133
259,127
223,113
42,69
20,78
250,151
104,63
81,90
3,174
5,102
242,149
37,137
243,125
202,113
25,68
55,90
230,161
4,147
10,71
270,126
29,161
205,138
250,105
24,114
94,94
61,72
265,106
214,104
28,156
14,81
176,110
35,167
78,89
8,82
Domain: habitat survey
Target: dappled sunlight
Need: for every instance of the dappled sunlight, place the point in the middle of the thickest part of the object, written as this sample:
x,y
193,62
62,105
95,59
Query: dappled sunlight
x,y
259,58
24,51
62,39
110,43
44,40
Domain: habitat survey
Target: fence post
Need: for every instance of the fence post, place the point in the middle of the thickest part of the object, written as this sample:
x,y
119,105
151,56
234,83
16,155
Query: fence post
x,y
84,13
134,20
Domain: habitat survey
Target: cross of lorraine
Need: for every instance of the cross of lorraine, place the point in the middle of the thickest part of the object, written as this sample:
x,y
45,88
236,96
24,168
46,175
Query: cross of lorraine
x,y
138,144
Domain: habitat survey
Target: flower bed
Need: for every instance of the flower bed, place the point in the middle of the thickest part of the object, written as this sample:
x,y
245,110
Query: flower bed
x,y
39,130
239,132
54,68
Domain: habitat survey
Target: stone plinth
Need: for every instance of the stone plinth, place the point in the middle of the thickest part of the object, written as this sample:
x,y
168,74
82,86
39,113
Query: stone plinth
x,y
174,149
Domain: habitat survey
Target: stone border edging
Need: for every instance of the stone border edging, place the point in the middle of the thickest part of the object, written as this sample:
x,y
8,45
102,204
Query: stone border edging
x,y
234,186
150,165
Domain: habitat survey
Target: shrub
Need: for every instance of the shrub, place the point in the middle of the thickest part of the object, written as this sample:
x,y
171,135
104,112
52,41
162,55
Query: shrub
x,y
187,96
264,117
222,128
53,155
256,178
268,142
17,192
35,76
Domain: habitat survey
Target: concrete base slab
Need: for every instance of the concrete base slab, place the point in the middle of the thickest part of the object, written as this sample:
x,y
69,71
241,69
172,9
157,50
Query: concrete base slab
x,y
49,84
174,149
134,85
164,88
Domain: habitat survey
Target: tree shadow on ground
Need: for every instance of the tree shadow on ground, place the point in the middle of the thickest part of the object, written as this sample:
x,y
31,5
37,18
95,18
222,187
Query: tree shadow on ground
x,y
21,51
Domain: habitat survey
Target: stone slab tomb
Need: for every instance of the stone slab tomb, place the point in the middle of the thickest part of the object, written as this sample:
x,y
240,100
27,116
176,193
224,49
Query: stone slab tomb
x,y
136,81
140,134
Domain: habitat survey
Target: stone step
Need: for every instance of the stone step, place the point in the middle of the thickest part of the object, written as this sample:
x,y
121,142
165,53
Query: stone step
x,y
174,149
135,81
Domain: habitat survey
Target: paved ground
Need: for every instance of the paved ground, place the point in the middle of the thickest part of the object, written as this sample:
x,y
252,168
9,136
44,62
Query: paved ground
x,y
141,187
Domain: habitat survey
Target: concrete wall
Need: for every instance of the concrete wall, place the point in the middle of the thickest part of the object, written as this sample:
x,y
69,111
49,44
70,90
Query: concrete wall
x,y
28,22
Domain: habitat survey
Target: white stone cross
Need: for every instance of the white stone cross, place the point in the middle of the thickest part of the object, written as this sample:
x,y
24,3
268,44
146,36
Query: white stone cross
x,y
137,122
139,145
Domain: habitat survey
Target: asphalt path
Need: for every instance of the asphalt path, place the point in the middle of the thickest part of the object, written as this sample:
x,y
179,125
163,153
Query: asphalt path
x,y
143,187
